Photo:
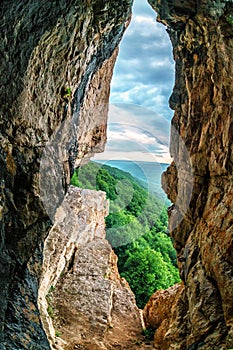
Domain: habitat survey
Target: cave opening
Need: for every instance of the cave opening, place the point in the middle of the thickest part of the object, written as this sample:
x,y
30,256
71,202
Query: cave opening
x,y
79,266
137,152
56,69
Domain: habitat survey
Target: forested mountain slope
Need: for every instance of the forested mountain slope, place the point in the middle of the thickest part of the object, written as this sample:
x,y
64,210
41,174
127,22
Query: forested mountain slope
x,y
136,229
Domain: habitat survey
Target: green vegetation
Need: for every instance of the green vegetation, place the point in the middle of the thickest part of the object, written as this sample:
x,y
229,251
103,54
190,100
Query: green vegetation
x,y
230,19
148,333
57,334
66,92
51,289
49,299
136,229
50,311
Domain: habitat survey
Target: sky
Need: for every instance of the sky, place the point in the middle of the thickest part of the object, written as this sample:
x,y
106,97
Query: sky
x,y
139,115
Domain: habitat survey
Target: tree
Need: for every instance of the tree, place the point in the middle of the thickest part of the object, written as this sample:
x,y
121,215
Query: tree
x,y
146,271
136,228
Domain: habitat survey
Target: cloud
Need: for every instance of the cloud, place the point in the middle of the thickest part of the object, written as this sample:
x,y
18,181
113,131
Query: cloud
x,y
139,115
154,98
134,133
142,119
130,134
130,139
144,71
133,157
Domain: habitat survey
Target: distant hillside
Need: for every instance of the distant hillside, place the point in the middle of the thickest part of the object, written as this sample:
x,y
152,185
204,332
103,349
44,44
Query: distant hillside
x,y
136,228
149,173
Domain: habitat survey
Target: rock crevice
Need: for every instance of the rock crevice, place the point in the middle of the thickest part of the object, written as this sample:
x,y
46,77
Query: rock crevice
x,y
201,34
84,303
56,66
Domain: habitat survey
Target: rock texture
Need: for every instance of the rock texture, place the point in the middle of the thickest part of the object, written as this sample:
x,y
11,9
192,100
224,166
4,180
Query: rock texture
x,y
83,301
56,65
159,310
202,38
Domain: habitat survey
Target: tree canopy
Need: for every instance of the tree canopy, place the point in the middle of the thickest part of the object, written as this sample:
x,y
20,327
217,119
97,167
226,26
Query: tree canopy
x,y
136,228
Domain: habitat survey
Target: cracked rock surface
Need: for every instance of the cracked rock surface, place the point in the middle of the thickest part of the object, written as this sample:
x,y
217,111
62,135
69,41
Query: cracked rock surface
x,y
202,149
56,66
82,297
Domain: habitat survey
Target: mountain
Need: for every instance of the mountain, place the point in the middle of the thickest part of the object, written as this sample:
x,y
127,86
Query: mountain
x,y
136,228
148,173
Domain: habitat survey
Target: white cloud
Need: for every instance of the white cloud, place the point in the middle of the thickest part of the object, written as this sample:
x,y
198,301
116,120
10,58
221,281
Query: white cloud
x,y
144,72
148,96
135,132
128,134
142,83
134,156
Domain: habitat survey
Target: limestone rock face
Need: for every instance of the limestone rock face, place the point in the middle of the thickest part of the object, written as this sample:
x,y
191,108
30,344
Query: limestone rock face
x,y
158,312
56,66
202,128
84,303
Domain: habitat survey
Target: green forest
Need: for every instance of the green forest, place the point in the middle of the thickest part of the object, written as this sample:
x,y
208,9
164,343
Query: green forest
x,y
136,229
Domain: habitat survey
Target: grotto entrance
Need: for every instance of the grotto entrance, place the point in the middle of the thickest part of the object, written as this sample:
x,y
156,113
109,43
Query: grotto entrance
x,y
129,172
138,144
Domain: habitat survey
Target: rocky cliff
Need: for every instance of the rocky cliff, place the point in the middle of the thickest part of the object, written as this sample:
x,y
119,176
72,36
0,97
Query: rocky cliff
x,y
84,304
56,65
201,145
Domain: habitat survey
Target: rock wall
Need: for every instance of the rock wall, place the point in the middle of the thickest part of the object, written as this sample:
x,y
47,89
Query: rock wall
x,y
202,36
158,312
56,65
84,303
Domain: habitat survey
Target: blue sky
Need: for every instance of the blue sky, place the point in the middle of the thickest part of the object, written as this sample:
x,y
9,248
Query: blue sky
x,y
143,79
